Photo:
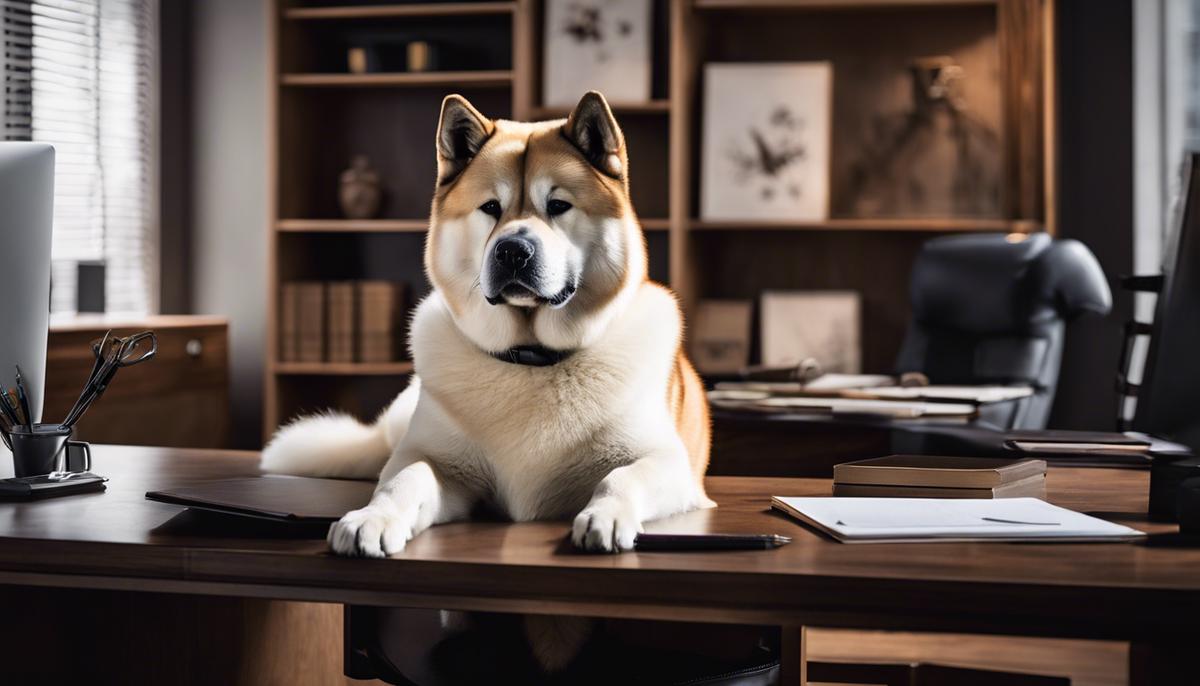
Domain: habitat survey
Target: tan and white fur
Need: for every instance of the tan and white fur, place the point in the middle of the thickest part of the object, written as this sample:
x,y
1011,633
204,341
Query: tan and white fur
x,y
614,435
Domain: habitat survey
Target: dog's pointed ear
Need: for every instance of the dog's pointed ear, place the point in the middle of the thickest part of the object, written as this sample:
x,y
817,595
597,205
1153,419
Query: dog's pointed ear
x,y
593,130
462,131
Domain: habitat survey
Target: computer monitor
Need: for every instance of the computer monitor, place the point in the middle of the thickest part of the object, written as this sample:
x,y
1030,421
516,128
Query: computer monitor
x,y
26,209
1168,401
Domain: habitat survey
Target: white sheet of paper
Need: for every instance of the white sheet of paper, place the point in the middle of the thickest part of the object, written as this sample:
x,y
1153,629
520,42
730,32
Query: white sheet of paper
x,y
923,519
978,394
887,408
838,382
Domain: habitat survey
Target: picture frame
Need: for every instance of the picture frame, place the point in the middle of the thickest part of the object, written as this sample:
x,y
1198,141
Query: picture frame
x,y
766,141
601,45
825,326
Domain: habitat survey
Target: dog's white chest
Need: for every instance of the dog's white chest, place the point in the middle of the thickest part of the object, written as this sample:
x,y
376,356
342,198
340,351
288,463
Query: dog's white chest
x,y
544,434
541,438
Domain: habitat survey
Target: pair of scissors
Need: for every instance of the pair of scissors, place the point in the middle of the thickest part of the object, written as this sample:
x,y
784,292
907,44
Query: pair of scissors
x,y
112,353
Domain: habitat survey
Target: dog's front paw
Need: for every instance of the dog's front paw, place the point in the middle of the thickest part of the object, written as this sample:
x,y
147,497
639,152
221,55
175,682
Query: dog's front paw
x,y
607,525
373,531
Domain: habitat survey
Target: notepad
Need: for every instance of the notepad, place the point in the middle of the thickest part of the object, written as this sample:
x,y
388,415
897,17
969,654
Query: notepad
x,y
911,520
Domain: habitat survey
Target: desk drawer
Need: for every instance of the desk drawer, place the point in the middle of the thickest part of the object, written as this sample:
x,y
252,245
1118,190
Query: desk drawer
x,y
179,399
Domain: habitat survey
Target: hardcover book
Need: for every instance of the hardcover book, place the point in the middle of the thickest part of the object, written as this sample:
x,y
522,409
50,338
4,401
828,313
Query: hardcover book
x,y
933,471
1029,487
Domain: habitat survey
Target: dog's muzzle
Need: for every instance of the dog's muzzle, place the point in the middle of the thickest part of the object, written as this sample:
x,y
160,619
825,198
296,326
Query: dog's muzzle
x,y
515,276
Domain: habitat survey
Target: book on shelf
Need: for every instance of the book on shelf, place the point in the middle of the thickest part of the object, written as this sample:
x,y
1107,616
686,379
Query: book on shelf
x,y
310,321
936,471
289,305
340,298
379,308
340,321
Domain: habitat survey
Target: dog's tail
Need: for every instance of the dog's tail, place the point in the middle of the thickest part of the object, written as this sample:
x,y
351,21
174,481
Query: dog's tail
x,y
337,445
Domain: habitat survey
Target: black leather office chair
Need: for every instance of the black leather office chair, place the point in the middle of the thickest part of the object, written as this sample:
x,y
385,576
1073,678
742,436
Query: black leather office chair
x,y
988,309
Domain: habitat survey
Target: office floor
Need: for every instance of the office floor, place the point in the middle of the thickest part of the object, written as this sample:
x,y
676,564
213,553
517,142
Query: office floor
x,y
1088,663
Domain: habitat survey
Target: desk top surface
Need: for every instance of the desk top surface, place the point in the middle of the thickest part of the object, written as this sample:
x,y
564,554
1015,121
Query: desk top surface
x,y
118,539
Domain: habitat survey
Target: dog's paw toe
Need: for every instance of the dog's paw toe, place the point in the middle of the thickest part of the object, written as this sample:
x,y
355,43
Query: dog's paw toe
x,y
606,526
369,532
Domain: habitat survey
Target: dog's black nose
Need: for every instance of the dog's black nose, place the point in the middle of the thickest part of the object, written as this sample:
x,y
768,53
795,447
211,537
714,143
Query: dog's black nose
x,y
514,252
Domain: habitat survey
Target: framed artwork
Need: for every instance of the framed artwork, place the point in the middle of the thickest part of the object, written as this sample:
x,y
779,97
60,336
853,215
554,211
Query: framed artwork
x,y
766,141
720,336
601,45
823,325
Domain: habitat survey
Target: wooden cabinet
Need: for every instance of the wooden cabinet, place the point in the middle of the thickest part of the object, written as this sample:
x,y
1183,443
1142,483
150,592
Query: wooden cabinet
x,y
179,399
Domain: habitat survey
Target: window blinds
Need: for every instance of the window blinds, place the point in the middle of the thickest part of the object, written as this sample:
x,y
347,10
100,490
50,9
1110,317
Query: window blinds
x,y
16,39
91,66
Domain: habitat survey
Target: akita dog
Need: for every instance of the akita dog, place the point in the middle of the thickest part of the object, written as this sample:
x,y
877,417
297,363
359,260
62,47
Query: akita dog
x,y
552,377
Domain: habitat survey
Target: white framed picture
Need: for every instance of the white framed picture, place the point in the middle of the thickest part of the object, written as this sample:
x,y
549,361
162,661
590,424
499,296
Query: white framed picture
x,y
600,45
766,141
822,325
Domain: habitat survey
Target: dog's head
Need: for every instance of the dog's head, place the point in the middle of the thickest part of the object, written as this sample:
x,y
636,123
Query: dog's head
x,y
533,239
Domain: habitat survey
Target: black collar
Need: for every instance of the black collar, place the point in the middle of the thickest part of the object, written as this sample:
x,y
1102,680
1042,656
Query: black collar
x,y
532,355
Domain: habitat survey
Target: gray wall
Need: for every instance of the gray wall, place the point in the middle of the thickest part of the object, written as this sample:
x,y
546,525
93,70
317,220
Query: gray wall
x,y
229,209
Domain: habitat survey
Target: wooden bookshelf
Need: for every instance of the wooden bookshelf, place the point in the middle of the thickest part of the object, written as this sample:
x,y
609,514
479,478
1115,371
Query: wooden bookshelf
x,y
918,225
352,225
433,9
322,116
444,79
343,368
827,5
661,106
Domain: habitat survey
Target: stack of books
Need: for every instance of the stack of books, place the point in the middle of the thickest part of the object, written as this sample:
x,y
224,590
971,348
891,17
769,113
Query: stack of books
x,y
341,321
927,476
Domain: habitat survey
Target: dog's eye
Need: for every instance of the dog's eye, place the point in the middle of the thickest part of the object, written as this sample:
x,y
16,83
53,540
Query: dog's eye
x,y
557,207
492,208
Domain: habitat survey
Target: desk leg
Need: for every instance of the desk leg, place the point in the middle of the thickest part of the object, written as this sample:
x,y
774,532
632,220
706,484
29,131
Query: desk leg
x,y
1162,662
793,670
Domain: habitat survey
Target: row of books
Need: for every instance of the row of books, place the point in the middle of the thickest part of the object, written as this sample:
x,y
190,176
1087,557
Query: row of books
x,y
341,321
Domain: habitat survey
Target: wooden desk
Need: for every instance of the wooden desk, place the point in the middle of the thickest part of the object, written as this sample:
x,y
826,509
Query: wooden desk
x,y
118,541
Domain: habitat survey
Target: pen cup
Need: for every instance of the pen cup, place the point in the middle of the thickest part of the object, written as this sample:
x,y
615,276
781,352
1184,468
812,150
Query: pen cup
x,y
48,448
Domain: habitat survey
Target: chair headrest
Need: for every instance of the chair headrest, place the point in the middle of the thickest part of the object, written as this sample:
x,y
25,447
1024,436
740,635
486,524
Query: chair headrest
x,y
987,284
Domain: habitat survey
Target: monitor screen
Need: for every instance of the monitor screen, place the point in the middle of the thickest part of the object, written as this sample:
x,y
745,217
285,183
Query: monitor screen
x,y
26,207
1168,402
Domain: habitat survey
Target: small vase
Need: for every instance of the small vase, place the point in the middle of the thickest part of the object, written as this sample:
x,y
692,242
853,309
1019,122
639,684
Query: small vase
x,y
359,193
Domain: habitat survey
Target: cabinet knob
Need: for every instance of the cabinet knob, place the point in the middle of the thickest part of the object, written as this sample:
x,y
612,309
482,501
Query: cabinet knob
x,y
194,347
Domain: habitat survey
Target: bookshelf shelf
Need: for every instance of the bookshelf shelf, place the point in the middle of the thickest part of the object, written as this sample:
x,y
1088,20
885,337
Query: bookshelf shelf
x,y
650,107
846,224
352,225
447,9
398,225
344,368
832,4
499,78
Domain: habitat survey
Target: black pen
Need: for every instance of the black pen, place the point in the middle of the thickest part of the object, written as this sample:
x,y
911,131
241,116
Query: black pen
x,y
682,542
23,398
